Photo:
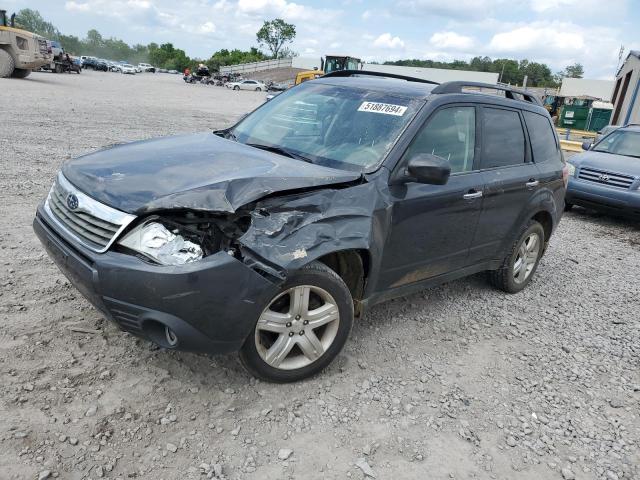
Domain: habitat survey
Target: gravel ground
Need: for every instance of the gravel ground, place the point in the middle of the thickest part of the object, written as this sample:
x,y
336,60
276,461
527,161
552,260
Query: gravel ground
x,y
459,381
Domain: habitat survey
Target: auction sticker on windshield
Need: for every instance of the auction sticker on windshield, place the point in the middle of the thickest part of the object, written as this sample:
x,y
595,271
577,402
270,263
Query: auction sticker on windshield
x,y
385,108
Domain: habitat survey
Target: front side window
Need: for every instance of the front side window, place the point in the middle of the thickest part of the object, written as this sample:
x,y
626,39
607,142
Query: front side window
x,y
502,138
451,134
335,126
620,142
543,141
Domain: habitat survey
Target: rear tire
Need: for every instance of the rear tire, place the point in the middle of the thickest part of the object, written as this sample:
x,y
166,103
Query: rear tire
x,y
302,328
21,73
522,260
7,65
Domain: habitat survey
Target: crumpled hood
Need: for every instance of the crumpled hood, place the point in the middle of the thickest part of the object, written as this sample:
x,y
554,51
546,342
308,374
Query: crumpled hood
x,y
608,162
199,172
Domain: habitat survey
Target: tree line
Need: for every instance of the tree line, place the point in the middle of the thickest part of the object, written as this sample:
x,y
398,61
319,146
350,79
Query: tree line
x,y
508,70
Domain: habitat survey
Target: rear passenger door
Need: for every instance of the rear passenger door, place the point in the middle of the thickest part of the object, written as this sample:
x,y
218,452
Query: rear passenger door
x,y
510,178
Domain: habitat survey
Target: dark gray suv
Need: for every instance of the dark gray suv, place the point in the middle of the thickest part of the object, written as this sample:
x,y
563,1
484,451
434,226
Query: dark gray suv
x,y
269,237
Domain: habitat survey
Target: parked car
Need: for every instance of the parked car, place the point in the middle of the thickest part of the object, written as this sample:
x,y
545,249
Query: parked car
x,y
606,177
145,67
128,69
247,85
96,64
269,236
604,132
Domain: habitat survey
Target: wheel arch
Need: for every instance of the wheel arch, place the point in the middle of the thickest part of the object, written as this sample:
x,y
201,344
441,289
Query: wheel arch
x,y
352,266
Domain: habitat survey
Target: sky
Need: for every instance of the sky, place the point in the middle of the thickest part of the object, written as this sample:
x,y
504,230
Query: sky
x,y
555,32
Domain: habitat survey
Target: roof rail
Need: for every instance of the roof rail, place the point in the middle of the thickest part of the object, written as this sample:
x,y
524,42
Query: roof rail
x,y
351,73
509,92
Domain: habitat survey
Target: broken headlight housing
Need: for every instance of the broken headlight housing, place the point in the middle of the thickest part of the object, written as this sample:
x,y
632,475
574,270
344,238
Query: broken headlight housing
x,y
164,244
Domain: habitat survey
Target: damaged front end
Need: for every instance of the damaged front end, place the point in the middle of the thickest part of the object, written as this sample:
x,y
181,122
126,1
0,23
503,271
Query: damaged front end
x,y
273,236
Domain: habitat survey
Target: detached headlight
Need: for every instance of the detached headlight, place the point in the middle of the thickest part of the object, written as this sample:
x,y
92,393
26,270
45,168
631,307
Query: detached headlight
x,y
159,243
572,169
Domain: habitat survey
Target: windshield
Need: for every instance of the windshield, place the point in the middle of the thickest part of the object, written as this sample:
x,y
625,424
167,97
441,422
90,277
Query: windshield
x,y
334,126
620,142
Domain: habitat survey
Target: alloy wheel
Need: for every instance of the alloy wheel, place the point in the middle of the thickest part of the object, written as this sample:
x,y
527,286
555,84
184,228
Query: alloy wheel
x,y
297,327
526,258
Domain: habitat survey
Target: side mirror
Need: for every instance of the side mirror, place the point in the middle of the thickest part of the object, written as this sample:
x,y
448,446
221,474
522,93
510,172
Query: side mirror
x,y
428,168
586,145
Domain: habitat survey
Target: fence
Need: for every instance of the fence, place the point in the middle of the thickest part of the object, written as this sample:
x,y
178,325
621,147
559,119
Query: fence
x,y
256,66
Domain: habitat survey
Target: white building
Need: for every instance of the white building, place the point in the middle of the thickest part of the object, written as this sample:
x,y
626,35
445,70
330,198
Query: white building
x,y
584,87
626,94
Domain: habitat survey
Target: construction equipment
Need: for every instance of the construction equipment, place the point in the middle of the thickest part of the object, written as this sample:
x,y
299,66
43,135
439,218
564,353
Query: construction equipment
x,y
329,64
20,51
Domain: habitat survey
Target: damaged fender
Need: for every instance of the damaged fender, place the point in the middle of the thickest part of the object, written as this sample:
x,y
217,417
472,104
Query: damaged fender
x,y
286,233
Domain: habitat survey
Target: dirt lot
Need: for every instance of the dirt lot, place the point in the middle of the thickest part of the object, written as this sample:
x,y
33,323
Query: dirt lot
x,y
459,382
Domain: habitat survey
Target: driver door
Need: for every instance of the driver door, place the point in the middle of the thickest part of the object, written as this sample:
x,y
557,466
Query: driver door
x,y
433,225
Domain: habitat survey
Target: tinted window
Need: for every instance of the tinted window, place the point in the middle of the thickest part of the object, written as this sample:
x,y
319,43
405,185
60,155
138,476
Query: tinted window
x,y
543,142
502,138
450,134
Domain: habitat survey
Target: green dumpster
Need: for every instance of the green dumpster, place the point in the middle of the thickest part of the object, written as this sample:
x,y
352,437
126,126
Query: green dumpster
x,y
573,117
598,119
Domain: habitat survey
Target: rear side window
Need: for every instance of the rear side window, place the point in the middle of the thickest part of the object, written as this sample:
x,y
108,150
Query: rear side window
x,y
502,138
543,142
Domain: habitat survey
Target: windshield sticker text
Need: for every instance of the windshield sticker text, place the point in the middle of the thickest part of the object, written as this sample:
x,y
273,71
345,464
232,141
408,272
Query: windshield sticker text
x,y
385,108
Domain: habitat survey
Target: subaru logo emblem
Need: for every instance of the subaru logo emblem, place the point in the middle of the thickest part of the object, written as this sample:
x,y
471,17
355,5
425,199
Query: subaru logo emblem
x,y
72,201
603,178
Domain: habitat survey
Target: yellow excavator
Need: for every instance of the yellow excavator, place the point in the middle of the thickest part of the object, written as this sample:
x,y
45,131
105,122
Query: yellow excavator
x,y
328,64
20,51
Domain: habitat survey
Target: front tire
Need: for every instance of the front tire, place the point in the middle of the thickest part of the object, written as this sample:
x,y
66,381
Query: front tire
x,y
7,65
21,73
302,328
522,261
236,88
258,89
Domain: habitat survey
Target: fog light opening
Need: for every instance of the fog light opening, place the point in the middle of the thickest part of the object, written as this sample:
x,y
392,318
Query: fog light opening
x,y
170,335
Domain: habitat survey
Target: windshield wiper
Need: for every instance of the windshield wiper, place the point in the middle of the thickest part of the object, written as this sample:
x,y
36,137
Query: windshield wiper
x,y
280,151
226,133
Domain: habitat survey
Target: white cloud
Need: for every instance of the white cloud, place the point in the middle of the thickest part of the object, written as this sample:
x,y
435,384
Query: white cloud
x,y
538,37
387,41
560,43
281,8
459,9
451,40
207,27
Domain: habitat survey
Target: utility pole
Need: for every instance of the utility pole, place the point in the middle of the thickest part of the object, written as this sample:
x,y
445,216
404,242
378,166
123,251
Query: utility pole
x,y
620,54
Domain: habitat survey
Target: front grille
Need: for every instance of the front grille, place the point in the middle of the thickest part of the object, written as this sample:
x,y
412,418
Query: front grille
x,y
605,178
94,224
43,47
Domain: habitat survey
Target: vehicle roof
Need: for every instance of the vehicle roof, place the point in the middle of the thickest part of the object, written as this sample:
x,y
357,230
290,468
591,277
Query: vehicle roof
x,y
633,127
423,91
382,84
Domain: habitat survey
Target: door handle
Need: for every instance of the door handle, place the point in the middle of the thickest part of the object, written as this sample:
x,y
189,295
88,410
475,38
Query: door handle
x,y
472,194
532,183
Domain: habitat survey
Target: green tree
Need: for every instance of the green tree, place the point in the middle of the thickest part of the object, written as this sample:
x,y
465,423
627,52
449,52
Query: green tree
x,y
274,34
574,71
32,21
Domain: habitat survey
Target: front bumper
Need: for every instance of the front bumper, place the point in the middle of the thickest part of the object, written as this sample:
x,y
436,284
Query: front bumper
x,y
211,305
602,197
